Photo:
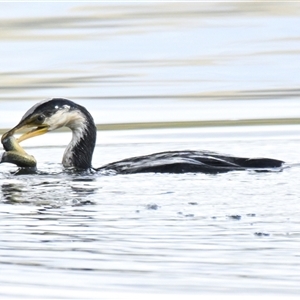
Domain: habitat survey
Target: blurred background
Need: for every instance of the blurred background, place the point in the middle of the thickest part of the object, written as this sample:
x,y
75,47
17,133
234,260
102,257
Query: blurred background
x,y
154,64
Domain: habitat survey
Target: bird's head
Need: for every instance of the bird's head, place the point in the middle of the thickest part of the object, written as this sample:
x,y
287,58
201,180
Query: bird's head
x,y
49,115
52,114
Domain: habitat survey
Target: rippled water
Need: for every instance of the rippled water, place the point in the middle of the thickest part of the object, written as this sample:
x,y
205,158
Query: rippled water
x,y
75,236
84,236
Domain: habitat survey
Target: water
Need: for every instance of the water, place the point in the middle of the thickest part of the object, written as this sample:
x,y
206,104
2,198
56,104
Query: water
x,y
92,236
77,236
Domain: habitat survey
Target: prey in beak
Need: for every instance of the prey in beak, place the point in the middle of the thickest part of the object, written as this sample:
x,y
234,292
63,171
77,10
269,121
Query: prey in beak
x,y
14,153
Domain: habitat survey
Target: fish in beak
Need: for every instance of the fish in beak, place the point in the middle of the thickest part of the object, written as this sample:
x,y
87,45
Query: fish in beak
x,y
14,153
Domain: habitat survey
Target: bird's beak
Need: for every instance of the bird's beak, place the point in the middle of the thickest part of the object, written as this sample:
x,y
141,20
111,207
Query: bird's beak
x,y
27,123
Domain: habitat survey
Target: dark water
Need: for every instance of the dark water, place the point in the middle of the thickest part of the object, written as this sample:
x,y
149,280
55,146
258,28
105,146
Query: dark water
x,y
95,236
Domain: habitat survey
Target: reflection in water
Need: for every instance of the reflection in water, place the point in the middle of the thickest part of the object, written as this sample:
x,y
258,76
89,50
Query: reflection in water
x,y
44,191
12,193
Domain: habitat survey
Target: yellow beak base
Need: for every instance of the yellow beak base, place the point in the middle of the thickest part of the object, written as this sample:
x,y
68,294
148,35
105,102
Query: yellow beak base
x,y
35,132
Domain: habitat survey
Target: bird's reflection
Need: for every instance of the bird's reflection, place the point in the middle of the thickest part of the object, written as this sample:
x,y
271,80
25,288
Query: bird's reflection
x,y
12,193
52,192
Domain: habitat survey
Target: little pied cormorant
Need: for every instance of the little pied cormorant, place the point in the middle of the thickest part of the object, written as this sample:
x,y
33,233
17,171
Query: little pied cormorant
x,y
51,114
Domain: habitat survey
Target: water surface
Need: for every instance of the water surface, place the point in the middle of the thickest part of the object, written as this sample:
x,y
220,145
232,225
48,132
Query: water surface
x,y
153,233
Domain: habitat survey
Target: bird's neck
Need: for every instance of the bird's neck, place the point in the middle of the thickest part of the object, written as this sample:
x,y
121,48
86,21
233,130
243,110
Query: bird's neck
x,y
79,152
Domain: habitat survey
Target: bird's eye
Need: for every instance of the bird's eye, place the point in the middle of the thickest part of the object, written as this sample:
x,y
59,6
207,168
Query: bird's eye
x,y
40,118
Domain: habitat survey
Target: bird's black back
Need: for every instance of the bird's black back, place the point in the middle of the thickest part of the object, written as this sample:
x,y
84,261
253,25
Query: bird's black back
x,y
189,161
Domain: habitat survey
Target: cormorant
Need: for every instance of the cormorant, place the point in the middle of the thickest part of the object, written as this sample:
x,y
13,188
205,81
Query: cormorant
x,y
51,114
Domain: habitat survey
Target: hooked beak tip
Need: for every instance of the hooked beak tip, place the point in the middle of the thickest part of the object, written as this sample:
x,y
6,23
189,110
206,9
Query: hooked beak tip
x,y
8,134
